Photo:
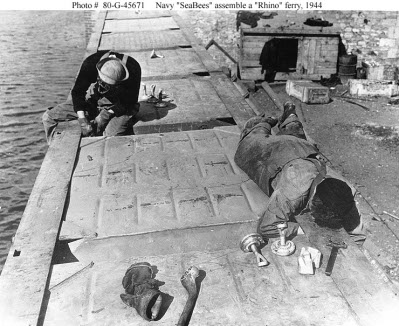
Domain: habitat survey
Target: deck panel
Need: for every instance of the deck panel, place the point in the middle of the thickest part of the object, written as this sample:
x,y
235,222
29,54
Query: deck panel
x,y
137,14
156,182
181,62
139,25
189,101
233,291
146,40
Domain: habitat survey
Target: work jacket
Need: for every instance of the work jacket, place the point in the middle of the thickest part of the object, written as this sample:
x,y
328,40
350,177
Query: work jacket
x,y
263,156
127,93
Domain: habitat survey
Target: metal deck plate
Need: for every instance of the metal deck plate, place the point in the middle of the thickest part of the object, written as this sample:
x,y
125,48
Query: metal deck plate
x,y
146,183
233,291
189,101
139,25
137,14
175,62
146,40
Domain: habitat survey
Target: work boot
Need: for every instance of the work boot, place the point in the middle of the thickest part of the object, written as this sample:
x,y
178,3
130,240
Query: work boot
x,y
289,108
141,290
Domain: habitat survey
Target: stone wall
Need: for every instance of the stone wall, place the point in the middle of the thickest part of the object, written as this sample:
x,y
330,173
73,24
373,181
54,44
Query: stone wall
x,y
372,35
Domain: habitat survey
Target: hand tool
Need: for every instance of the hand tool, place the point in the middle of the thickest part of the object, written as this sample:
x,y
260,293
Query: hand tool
x,y
333,255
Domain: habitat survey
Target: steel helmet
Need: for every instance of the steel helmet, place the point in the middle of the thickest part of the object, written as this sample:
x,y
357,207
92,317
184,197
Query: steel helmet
x,y
112,70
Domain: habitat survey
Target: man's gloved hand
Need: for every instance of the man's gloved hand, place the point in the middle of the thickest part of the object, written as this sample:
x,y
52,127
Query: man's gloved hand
x,y
85,127
101,121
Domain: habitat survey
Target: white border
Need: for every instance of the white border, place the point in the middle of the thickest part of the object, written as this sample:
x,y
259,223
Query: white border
x,y
380,5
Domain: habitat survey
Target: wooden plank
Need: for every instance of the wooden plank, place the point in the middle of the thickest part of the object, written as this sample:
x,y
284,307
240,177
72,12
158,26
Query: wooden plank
x,y
299,59
250,63
252,41
297,76
251,73
311,56
317,52
325,64
368,296
326,50
234,101
205,57
273,96
278,31
24,279
251,51
251,59
305,55
330,47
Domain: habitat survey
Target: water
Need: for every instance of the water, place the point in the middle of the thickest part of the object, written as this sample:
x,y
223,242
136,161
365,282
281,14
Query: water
x,y
40,55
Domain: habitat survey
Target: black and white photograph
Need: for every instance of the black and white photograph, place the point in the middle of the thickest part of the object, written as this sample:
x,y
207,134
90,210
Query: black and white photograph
x,y
199,163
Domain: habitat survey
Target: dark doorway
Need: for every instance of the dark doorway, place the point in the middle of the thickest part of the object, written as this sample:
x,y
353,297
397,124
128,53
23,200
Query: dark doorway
x,y
279,55
287,50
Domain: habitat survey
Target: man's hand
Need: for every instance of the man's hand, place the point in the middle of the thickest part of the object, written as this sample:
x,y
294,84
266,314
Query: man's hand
x,y
101,121
85,127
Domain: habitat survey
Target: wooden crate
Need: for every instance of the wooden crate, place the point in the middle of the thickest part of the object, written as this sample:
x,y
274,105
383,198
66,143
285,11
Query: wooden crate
x,y
317,52
367,87
307,91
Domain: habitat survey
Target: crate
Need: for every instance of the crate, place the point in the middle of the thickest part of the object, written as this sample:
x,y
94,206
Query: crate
x,y
307,91
366,87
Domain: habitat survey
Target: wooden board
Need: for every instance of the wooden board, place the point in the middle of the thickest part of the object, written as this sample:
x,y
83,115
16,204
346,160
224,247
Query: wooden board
x,y
196,44
234,101
23,282
251,73
291,31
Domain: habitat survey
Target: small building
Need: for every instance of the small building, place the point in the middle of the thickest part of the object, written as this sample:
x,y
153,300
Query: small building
x,y
288,49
